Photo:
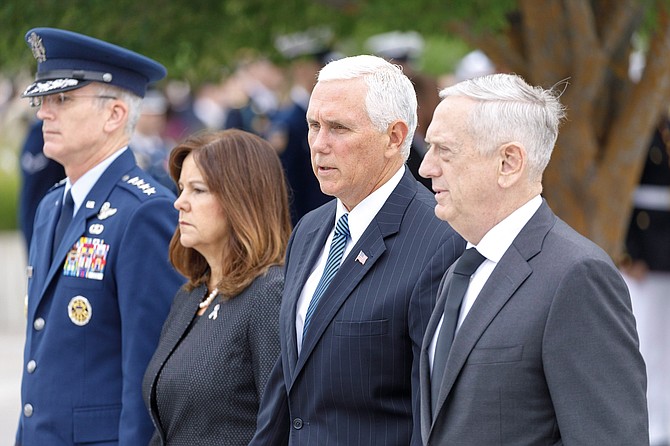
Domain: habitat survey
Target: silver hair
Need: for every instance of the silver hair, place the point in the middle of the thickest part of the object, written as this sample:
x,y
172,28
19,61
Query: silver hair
x,y
133,102
509,109
390,94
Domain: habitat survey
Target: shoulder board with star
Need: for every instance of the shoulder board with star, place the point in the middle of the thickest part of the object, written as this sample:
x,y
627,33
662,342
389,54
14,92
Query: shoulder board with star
x,y
57,185
142,186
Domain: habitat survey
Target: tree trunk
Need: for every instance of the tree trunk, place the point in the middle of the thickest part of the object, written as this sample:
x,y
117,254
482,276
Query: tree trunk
x,y
599,156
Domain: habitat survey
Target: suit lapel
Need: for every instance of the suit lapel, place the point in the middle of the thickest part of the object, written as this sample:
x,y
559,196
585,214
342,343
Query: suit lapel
x,y
177,328
512,270
346,279
307,256
386,223
502,283
41,248
424,362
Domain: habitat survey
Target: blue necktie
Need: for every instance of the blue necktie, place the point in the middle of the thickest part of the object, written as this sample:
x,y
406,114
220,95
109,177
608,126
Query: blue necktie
x,y
64,221
465,267
332,265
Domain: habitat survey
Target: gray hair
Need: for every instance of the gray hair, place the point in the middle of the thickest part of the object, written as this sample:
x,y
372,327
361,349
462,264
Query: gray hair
x,y
507,110
390,94
133,102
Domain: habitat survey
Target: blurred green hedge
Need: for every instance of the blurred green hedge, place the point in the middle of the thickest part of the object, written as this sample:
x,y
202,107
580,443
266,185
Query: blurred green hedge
x,y
9,200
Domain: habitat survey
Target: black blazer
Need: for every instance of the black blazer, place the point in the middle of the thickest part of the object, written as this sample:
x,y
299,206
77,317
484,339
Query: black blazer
x,y
356,381
204,382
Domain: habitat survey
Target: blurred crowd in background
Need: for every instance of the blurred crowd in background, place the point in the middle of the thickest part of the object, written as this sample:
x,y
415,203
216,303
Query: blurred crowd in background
x,y
258,95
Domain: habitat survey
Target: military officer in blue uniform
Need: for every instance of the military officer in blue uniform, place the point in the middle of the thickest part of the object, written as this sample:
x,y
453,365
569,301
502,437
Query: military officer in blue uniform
x,y
99,294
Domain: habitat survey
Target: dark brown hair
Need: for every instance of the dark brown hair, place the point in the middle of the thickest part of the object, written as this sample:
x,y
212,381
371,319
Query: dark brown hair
x,y
244,173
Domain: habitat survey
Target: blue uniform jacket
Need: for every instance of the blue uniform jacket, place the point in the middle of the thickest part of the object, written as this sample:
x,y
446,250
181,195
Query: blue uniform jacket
x,y
95,312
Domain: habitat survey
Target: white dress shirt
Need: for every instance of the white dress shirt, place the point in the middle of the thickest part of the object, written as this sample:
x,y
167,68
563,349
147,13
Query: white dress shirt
x,y
359,219
493,246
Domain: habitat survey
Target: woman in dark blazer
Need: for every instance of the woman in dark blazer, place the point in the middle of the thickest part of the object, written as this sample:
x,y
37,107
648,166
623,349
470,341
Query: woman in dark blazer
x,y
220,340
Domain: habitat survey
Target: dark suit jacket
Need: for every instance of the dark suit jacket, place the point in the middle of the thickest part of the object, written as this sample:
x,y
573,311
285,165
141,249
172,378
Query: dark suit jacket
x,y
356,379
204,383
90,358
548,353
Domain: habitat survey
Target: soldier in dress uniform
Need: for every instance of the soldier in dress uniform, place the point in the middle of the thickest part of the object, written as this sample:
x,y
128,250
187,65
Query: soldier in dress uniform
x,y
307,52
647,272
99,281
404,49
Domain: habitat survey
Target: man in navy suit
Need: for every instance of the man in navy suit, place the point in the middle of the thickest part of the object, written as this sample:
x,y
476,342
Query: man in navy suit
x,y
545,350
348,369
99,281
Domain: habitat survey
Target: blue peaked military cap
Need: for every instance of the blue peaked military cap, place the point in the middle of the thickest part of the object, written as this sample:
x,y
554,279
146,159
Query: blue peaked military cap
x,y
67,60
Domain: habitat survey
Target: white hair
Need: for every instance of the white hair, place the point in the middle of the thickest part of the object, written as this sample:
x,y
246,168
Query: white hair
x,y
133,102
508,109
390,94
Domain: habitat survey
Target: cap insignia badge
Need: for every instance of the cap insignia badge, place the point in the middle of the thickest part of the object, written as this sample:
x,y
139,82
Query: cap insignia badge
x,y
37,47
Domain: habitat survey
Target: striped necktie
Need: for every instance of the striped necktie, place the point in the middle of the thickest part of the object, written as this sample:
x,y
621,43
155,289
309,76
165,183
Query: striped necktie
x,y
332,266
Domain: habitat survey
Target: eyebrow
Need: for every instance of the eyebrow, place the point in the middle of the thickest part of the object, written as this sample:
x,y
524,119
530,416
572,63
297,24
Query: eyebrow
x,y
192,182
329,122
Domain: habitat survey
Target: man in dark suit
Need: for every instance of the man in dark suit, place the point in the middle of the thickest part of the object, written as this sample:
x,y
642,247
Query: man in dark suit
x,y
348,369
545,349
99,281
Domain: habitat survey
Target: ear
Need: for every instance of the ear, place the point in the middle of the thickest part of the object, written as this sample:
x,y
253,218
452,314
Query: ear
x,y
397,132
512,164
118,115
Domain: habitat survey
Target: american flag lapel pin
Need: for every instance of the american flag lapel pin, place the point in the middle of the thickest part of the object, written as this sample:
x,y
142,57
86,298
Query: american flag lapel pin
x,y
361,258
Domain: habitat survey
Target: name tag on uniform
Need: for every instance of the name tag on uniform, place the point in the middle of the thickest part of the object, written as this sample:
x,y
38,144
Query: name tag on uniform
x,y
87,259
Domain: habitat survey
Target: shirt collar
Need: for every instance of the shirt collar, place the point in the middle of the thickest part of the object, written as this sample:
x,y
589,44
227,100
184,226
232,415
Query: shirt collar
x,y
499,238
361,215
83,186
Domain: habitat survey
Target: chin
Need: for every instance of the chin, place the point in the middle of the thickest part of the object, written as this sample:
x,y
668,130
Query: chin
x,y
442,213
51,151
327,188
186,243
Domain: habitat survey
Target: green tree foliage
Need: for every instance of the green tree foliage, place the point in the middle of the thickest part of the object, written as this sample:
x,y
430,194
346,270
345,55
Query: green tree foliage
x,y
196,39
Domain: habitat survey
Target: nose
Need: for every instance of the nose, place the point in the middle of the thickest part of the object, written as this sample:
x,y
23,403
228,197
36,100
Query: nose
x,y
317,140
180,203
428,167
43,111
